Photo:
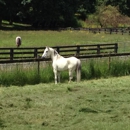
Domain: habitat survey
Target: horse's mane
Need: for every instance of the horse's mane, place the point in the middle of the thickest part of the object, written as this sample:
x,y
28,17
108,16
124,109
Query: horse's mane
x,y
56,53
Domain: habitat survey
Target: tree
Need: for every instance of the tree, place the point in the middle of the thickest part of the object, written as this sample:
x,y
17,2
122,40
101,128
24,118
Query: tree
x,y
9,9
109,16
53,13
2,6
124,5
86,7
50,13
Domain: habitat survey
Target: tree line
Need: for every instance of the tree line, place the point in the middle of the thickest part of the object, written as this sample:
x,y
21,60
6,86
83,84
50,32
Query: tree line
x,y
56,13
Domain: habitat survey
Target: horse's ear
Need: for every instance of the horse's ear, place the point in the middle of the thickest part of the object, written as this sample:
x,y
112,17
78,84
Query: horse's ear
x,y
55,52
47,47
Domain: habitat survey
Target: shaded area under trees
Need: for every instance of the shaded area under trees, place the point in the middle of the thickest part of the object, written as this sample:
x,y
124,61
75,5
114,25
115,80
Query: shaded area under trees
x,y
59,13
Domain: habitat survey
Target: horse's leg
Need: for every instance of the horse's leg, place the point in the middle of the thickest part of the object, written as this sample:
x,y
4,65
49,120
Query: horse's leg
x,y
70,75
55,74
58,76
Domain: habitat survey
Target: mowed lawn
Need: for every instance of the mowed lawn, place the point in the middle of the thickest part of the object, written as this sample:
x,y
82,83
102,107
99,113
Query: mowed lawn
x,y
102,104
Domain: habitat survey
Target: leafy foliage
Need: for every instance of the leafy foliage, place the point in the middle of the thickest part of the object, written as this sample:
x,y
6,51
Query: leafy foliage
x,y
58,13
109,16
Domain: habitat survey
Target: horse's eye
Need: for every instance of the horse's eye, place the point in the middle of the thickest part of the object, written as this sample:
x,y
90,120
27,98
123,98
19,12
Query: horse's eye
x,y
46,51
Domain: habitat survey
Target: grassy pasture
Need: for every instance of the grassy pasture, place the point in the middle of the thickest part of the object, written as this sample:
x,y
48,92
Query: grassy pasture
x,y
69,37
102,104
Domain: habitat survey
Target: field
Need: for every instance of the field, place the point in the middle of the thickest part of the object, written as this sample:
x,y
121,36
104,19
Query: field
x,y
70,37
91,105
99,103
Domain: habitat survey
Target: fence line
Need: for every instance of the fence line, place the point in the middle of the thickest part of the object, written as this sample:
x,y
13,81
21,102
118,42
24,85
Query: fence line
x,y
28,53
38,59
99,30
80,57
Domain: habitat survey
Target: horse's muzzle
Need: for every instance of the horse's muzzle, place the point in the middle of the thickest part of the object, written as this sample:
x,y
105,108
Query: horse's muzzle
x,y
42,57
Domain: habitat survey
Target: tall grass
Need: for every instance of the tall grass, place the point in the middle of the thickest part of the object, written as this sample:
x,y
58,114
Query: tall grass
x,y
21,75
103,68
91,69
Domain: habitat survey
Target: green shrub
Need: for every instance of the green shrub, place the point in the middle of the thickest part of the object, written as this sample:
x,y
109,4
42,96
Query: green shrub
x,y
110,16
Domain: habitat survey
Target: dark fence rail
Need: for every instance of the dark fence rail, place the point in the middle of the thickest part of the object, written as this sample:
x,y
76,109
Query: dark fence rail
x,y
27,54
80,57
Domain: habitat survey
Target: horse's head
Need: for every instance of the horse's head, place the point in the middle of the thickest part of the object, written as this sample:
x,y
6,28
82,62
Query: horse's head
x,y
46,53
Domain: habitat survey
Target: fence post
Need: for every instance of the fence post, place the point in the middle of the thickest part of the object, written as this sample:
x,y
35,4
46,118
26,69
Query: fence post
x,y
99,30
122,31
35,53
78,51
38,67
116,48
105,30
109,62
110,31
11,53
98,49
116,30
58,49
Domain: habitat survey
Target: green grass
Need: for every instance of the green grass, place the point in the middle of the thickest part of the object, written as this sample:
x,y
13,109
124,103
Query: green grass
x,y
95,104
69,37
23,74
92,104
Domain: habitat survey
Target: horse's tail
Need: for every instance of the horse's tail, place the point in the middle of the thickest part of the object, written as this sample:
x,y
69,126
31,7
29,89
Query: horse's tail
x,y
78,70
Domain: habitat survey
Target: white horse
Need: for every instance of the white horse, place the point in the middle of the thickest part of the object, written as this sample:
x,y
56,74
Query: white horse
x,y
59,63
18,41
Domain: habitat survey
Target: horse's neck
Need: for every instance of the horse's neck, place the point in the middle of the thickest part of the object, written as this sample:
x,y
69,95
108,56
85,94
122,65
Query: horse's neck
x,y
55,57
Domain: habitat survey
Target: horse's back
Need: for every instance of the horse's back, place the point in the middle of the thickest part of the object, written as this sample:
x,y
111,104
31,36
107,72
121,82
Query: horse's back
x,y
73,61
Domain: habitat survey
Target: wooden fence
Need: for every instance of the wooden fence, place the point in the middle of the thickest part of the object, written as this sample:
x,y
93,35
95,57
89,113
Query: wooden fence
x,y
28,54
111,30
99,30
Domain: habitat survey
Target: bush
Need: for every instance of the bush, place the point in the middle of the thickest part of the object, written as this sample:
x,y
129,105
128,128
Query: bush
x,y
110,16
